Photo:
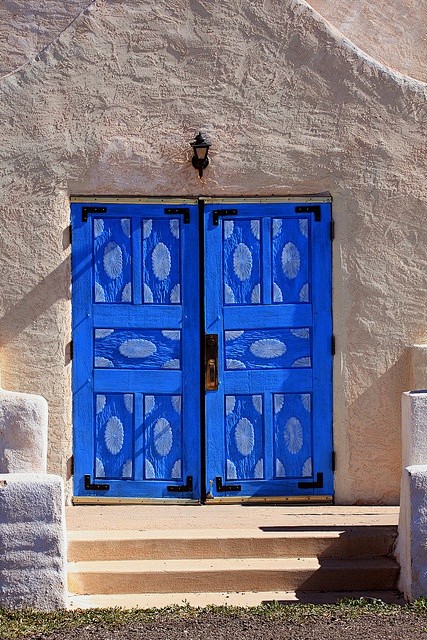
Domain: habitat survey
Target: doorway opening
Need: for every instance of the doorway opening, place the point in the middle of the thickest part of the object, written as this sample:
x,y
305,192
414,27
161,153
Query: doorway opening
x,y
202,333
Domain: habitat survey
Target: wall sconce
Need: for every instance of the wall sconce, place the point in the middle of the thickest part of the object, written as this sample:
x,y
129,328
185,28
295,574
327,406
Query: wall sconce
x,y
200,158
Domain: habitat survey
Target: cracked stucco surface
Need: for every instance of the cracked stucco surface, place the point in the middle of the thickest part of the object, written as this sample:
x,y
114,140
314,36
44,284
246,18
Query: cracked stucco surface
x,y
290,107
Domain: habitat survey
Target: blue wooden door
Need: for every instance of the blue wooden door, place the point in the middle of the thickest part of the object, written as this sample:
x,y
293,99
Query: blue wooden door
x,y
169,406
268,304
136,363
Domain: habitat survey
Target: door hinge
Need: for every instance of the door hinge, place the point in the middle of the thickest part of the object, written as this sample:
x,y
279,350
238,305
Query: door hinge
x,y
71,465
182,488
226,487
332,229
317,484
222,212
93,486
69,352
179,212
333,344
70,234
87,210
333,461
310,208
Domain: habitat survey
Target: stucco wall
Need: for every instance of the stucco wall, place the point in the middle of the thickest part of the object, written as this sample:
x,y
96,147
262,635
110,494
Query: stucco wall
x,y
392,31
110,106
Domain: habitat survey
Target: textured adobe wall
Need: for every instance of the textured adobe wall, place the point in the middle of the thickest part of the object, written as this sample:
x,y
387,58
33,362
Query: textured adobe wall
x,y
109,107
392,31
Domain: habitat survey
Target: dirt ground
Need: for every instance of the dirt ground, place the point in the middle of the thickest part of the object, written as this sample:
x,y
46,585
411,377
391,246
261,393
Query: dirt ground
x,y
397,625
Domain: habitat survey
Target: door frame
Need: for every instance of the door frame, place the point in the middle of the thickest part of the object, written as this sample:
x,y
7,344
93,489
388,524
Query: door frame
x,y
200,202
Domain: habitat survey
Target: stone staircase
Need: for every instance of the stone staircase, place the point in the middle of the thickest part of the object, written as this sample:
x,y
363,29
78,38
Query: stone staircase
x,y
240,566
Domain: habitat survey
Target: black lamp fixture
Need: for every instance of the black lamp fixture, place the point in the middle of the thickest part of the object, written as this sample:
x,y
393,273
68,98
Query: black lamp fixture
x,y
200,158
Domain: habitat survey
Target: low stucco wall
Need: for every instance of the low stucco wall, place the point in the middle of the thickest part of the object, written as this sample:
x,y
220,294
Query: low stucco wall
x,y
289,107
33,542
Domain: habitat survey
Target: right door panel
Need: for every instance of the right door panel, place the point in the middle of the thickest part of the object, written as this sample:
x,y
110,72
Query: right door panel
x,y
268,299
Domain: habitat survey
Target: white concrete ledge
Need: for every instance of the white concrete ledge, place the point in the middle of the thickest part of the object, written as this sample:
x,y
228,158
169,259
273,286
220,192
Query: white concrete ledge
x,y
411,550
23,433
33,542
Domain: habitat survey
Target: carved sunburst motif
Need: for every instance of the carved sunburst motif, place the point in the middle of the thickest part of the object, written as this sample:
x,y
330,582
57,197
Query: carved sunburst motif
x,y
148,294
257,402
137,348
127,292
277,293
228,295
279,400
307,468
149,471
175,294
231,470
101,401
125,224
268,348
99,293
98,227
149,403
304,293
128,402
127,469
103,333
99,469
176,470
231,363
228,227
259,469
306,401
113,260
163,437
244,436
230,403
256,294
280,469
174,227
103,363
291,260
147,227
171,334
114,435
242,262
176,403
175,363
293,435
161,260
303,226
256,228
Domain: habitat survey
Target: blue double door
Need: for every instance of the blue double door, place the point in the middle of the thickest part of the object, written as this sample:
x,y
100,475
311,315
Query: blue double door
x,y
202,335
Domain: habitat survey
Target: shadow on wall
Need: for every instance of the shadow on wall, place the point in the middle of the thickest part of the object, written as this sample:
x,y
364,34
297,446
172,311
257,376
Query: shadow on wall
x,y
375,433
54,287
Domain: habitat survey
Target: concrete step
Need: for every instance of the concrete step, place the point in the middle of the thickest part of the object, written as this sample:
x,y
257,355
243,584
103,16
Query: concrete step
x,y
241,574
228,598
261,542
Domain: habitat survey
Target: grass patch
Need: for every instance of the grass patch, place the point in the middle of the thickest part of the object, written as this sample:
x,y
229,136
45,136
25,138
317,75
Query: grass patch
x,y
26,623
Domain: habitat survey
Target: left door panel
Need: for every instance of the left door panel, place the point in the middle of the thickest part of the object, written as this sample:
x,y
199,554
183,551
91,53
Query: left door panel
x,y
136,370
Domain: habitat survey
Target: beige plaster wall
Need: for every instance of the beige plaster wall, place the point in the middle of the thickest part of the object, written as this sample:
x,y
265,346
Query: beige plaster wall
x,y
290,107
392,31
